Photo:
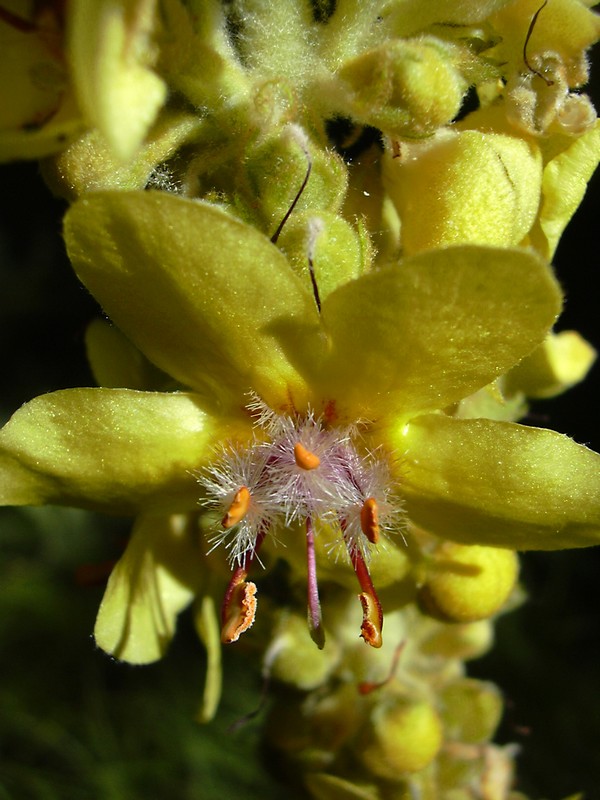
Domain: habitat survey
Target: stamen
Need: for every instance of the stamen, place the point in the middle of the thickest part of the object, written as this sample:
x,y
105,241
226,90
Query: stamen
x,y
315,622
372,623
238,508
239,610
239,604
299,468
304,458
370,628
366,687
369,520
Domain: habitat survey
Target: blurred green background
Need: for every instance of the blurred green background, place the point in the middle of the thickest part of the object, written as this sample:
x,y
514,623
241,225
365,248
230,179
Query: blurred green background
x,y
75,725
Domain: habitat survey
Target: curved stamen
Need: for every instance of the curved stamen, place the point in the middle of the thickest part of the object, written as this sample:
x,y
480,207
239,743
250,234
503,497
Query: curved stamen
x,y
239,603
372,623
239,610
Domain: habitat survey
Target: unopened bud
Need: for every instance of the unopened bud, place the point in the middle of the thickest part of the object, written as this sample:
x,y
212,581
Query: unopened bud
x,y
468,583
405,736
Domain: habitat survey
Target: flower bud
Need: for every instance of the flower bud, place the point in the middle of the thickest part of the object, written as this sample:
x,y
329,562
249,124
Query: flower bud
x,y
327,242
405,735
296,661
407,88
464,642
468,583
88,164
465,188
275,172
471,710
560,362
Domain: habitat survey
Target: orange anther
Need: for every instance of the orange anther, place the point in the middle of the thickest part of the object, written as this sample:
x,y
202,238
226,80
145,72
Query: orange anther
x,y
240,612
370,630
304,458
238,508
369,520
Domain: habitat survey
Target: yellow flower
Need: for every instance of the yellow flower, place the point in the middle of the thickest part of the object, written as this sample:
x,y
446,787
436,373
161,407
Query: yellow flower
x,y
214,304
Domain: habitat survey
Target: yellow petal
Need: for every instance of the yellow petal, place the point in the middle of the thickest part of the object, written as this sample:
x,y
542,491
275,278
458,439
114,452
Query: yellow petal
x,y
154,580
465,187
110,48
434,328
117,450
563,360
479,481
205,297
564,184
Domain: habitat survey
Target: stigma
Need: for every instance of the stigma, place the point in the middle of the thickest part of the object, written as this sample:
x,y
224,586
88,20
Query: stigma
x,y
299,473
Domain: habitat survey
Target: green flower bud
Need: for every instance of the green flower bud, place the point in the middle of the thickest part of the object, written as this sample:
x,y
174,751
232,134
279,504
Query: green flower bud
x,y
404,736
296,659
468,583
408,88
463,642
275,171
89,164
327,242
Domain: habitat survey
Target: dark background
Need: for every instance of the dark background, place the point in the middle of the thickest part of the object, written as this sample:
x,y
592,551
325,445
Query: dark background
x,y
74,725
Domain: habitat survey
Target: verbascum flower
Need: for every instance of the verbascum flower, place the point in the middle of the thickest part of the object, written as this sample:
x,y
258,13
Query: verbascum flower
x,y
323,329
351,393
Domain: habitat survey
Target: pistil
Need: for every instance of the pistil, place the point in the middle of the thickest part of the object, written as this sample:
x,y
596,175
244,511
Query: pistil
x,y
315,622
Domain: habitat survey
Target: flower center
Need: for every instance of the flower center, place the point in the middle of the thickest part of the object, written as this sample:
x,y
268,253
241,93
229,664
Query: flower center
x,y
299,470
